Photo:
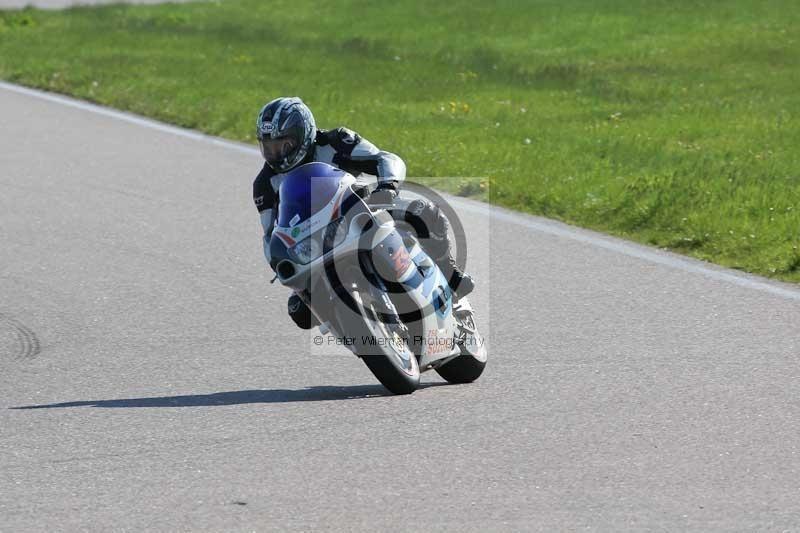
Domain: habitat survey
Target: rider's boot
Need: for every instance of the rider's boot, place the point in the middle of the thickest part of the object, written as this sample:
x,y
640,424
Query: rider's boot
x,y
300,313
460,283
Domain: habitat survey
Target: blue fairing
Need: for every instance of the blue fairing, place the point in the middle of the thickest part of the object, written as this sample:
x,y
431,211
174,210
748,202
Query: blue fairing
x,y
305,190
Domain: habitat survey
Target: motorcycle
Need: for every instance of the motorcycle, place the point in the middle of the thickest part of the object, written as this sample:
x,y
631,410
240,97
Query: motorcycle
x,y
370,284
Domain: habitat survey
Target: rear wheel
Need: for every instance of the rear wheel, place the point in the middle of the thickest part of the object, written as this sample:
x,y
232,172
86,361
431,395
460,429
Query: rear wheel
x,y
462,369
468,366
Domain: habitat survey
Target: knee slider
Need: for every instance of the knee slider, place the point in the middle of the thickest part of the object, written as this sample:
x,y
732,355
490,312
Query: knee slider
x,y
300,313
427,219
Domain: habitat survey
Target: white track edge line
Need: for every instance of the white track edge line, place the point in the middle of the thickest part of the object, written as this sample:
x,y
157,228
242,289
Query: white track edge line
x,y
614,244
128,117
527,221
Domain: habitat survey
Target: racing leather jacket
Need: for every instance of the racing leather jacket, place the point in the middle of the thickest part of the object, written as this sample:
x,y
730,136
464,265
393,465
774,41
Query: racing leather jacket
x,y
339,147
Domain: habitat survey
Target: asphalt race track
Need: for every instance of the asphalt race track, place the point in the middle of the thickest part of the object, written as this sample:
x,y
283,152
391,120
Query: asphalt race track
x,y
151,380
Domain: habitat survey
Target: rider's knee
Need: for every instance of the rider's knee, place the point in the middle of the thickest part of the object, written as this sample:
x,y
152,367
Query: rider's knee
x,y
300,313
429,217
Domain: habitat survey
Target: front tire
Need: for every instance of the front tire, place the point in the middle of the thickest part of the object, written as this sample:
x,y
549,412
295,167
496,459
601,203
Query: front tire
x,y
391,361
396,381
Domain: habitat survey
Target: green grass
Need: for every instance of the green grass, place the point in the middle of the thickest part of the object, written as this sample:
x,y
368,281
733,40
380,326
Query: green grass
x,y
670,122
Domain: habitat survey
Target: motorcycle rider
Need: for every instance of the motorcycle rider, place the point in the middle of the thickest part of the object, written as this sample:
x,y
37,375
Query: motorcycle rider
x,y
288,137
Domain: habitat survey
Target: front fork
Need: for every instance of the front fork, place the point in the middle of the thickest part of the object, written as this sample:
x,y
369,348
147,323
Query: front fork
x,y
335,290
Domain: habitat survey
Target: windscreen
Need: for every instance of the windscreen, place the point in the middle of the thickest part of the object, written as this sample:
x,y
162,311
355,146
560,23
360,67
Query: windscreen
x,y
305,190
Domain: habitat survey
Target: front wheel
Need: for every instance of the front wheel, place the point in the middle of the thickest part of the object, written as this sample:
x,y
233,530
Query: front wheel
x,y
397,381
383,349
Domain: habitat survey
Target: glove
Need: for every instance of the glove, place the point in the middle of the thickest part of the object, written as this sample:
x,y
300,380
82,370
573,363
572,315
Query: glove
x,y
384,194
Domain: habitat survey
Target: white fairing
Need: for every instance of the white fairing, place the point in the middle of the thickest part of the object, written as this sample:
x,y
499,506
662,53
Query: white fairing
x,y
438,329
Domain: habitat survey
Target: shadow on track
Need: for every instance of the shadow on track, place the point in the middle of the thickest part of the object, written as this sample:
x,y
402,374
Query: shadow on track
x,y
310,394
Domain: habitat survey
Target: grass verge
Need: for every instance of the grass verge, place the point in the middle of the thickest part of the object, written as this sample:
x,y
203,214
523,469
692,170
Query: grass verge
x,y
674,123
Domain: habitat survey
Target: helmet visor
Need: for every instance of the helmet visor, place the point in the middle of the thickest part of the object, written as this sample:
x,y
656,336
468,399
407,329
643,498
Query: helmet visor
x,y
277,150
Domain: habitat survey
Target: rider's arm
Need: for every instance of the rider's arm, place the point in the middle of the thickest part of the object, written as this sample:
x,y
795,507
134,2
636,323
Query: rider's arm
x,y
390,168
356,154
265,198
268,223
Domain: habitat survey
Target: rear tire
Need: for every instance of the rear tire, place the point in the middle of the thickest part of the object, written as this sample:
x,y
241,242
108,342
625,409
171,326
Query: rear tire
x,y
463,369
467,367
